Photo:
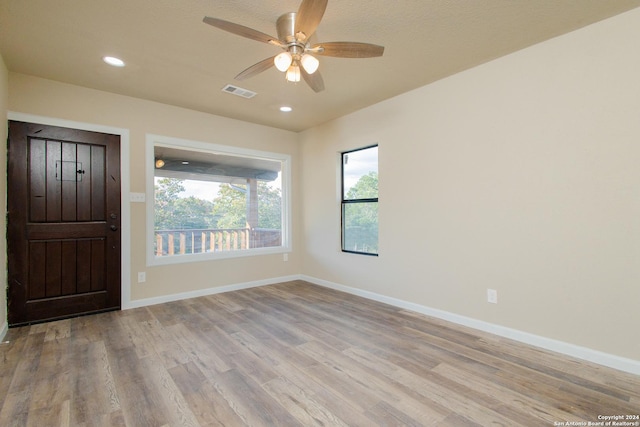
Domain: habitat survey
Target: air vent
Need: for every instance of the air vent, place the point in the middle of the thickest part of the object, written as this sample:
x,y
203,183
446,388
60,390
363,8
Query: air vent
x,y
235,90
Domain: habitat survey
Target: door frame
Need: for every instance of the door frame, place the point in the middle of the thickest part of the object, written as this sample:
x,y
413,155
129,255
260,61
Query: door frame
x,y
125,207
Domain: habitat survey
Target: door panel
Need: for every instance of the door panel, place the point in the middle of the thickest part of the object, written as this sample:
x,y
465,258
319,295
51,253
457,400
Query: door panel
x,y
63,222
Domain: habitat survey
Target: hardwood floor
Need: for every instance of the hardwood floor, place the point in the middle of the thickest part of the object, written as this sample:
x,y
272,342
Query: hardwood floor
x,y
292,354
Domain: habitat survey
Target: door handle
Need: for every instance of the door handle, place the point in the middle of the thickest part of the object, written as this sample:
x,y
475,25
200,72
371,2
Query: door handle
x,y
113,228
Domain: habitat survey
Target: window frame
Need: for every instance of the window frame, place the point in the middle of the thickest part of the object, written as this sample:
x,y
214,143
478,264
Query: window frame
x,y
344,202
153,141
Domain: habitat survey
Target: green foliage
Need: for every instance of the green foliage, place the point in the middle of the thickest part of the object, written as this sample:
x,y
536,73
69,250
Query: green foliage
x,y
230,206
194,213
365,188
228,210
269,207
361,219
173,212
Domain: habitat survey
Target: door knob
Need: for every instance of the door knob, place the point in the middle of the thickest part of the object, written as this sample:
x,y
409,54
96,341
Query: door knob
x,y
113,228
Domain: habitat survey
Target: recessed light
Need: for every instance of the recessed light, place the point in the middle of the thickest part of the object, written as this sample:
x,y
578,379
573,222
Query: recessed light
x,y
286,109
112,60
184,162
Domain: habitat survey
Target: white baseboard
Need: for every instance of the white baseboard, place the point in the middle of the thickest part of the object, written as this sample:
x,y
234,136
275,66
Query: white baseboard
x,y
595,356
209,291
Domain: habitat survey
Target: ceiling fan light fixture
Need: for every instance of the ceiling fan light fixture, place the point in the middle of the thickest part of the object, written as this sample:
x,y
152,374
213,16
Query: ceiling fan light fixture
x,y
295,34
283,61
309,63
293,73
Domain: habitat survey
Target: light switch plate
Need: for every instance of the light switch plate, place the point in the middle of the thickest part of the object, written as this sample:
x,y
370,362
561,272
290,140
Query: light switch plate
x,y
137,197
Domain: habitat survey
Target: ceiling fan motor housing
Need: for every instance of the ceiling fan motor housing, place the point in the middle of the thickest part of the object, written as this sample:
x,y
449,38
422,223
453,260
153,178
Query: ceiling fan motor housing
x,y
286,27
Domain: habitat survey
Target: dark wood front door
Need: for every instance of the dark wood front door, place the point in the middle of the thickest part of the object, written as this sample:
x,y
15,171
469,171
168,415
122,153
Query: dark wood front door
x,y
63,234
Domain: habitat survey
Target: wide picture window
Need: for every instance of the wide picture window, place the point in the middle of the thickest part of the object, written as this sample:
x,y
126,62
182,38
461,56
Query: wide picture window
x,y
215,202
360,201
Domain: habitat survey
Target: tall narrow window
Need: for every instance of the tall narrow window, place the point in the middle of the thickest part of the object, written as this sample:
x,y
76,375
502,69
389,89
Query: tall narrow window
x,y
360,201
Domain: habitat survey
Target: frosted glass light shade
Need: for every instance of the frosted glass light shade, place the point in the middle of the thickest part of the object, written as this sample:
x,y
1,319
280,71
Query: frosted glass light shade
x,y
309,63
293,73
282,61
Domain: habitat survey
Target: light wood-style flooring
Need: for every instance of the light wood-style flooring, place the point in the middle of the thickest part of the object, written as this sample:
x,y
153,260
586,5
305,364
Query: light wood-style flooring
x,y
292,354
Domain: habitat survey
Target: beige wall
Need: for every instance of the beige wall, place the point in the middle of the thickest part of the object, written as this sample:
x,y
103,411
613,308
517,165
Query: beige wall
x,y
521,175
35,96
4,94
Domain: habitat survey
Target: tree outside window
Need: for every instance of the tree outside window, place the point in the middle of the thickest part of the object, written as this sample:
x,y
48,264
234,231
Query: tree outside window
x,y
215,201
360,201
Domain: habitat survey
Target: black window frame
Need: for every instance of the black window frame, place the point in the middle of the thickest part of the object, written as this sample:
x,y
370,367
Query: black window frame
x,y
344,202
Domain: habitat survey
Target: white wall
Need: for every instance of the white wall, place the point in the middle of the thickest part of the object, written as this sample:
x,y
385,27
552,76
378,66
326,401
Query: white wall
x,y
4,95
44,98
521,175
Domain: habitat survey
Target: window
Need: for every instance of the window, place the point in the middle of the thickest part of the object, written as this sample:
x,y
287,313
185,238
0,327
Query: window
x,y
210,201
360,201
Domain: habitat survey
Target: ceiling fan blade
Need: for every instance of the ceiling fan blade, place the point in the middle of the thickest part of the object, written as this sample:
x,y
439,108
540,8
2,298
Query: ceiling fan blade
x,y
314,80
308,17
261,66
347,49
241,30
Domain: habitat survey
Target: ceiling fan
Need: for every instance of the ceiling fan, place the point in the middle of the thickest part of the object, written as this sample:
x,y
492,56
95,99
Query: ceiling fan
x,y
295,37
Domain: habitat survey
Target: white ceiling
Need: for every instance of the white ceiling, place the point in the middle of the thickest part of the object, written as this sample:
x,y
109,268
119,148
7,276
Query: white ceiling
x,y
174,58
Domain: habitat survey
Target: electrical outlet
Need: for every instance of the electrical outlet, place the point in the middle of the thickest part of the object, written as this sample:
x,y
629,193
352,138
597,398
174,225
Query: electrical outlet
x,y
492,296
142,277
